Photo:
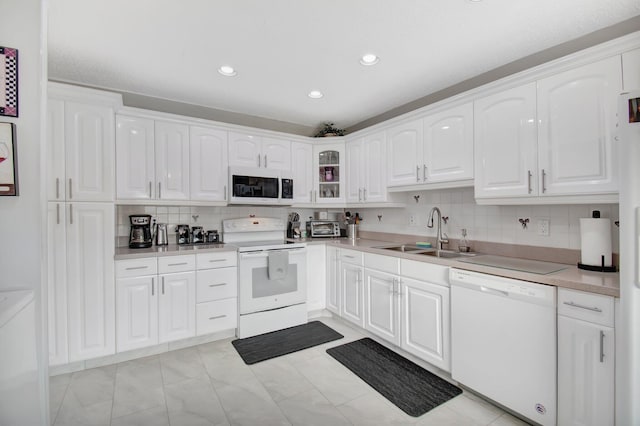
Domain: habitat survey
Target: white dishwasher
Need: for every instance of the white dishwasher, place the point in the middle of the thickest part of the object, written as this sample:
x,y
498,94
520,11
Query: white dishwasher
x,y
503,341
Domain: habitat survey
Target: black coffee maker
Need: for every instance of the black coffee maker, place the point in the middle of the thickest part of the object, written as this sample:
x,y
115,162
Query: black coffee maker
x,y
140,235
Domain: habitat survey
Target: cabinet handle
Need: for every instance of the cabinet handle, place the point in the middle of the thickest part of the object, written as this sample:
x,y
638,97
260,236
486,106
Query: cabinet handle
x,y
225,192
544,183
601,346
153,286
159,190
417,173
57,214
162,285
364,194
177,264
70,214
349,257
217,285
311,196
359,194
265,161
150,189
136,267
424,172
70,188
259,160
588,308
216,260
529,174
217,317
57,188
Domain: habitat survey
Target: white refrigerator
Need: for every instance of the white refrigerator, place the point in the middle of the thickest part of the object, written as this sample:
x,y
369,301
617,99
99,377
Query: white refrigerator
x,y
628,342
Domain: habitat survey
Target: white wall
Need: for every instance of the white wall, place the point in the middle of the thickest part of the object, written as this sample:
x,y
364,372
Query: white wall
x,y
21,218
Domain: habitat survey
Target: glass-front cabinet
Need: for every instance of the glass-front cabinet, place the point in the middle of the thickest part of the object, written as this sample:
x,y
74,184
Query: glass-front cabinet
x,y
329,173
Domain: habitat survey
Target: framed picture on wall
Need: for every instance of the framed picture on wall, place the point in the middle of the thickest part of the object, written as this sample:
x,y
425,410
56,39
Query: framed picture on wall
x,y
8,160
634,110
8,81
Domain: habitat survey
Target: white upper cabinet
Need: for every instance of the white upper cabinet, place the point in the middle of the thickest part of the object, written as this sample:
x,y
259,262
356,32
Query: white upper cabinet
x,y
302,172
448,145
631,70
135,158
208,164
152,159
172,160
404,148
80,148
506,148
329,179
246,150
366,169
577,112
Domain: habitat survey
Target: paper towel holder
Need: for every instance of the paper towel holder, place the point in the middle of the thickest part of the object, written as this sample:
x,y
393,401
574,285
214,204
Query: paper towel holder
x,y
598,268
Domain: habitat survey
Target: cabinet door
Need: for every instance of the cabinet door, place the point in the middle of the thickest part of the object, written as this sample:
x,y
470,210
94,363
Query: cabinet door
x,y
352,300
276,154
57,283
89,152
426,322
448,145
631,69
316,278
90,280
136,312
172,160
329,160
577,110
302,172
333,281
506,147
374,168
353,171
585,373
405,150
177,307
135,158
245,150
56,177
381,305
208,164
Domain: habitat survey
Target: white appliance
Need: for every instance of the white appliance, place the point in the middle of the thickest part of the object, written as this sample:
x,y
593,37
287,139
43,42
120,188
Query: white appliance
x,y
272,275
259,186
628,345
503,342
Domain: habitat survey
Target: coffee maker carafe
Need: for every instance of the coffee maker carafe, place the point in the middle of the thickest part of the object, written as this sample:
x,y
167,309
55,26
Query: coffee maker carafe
x,y
140,234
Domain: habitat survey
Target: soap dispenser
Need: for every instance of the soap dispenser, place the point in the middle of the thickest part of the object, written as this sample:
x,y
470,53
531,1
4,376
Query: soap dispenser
x,y
463,244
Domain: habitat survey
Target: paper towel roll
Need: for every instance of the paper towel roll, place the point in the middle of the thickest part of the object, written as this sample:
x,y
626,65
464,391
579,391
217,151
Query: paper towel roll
x,y
595,237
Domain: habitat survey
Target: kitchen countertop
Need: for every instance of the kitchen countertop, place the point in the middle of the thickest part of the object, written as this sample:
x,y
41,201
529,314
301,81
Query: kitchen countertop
x,y
578,279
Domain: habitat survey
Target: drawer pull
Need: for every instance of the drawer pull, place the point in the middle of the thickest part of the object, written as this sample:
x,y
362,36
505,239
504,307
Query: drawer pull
x,y
178,264
217,317
217,285
136,267
588,308
348,257
216,260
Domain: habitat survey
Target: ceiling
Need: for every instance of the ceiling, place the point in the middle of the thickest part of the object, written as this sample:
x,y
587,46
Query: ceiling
x,y
171,50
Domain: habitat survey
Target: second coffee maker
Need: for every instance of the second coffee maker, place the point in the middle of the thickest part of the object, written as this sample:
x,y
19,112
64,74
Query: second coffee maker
x,y
183,235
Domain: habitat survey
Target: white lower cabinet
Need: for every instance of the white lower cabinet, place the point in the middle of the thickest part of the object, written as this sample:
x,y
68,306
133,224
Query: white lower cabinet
x,y
586,359
382,313
57,283
216,292
333,279
316,277
137,312
177,306
352,287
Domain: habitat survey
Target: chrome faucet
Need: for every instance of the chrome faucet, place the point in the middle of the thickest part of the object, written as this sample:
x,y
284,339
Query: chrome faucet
x,y
440,239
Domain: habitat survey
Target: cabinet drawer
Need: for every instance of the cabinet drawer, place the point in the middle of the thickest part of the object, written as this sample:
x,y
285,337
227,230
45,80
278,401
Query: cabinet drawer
x,y
136,267
379,262
170,264
216,316
215,284
351,256
422,271
219,259
595,308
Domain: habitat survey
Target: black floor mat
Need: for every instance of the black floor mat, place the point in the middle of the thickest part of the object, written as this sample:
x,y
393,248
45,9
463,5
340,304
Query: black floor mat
x,y
410,387
277,343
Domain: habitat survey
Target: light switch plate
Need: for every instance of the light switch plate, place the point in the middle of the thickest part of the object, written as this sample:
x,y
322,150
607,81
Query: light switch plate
x,y
543,227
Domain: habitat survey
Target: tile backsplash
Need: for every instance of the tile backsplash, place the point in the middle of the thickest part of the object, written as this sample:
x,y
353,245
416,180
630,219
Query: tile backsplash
x,y
483,223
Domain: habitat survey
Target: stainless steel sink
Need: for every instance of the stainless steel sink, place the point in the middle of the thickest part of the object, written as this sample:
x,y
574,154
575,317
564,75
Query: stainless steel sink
x,y
404,248
448,254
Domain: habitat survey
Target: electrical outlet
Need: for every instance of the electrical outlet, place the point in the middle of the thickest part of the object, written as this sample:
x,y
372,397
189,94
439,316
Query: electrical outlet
x,y
413,220
543,227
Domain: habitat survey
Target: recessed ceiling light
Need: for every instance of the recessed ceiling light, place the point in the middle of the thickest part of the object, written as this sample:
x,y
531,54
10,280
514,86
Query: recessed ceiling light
x,y
227,71
315,94
369,59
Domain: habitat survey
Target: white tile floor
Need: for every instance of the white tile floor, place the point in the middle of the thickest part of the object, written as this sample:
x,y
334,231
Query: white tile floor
x,y
211,385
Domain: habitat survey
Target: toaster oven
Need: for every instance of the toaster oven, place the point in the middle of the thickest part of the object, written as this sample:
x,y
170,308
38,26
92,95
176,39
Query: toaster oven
x,y
324,228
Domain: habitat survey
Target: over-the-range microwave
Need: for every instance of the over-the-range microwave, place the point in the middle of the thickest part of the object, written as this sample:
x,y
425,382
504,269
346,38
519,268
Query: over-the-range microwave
x,y
248,185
